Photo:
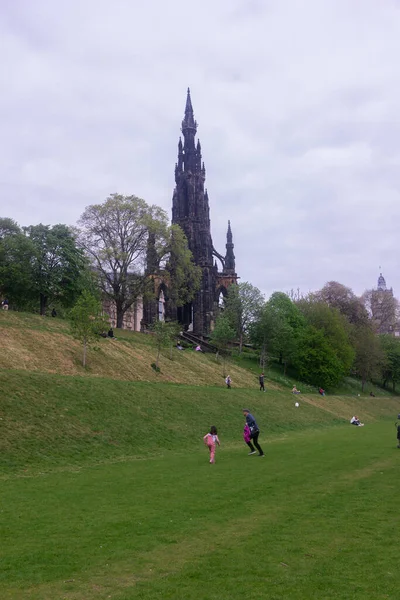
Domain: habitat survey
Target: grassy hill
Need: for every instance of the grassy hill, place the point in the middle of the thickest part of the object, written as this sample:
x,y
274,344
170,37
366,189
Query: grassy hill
x,y
106,490
34,343
56,414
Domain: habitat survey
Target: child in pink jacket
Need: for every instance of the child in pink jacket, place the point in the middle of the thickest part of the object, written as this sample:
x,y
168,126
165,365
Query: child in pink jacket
x,y
211,440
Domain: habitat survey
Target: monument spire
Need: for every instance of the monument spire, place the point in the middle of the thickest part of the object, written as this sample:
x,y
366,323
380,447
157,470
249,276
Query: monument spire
x,y
229,257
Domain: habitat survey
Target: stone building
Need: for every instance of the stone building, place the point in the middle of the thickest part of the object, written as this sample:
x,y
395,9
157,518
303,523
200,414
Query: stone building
x,y
384,308
191,211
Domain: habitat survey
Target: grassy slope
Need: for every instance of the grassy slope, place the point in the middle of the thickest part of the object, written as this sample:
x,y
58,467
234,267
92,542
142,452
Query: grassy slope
x,y
52,420
42,344
82,518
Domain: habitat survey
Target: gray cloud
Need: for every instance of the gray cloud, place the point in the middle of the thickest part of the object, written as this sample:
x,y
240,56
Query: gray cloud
x,y
297,105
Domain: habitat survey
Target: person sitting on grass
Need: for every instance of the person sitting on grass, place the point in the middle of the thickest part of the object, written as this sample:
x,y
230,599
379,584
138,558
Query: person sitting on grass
x,y
321,391
356,421
372,394
110,334
295,390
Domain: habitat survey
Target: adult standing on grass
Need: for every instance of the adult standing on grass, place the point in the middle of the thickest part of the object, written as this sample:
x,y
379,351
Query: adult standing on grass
x,y
261,380
254,430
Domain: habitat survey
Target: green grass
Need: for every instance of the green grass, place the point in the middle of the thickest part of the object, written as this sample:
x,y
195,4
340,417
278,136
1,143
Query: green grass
x,y
315,519
50,421
106,491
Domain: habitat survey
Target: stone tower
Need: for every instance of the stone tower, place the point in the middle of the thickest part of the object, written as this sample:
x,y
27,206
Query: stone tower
x,y
383,307
191,211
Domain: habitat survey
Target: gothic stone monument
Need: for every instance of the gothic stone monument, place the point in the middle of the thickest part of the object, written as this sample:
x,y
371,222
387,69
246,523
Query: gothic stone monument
x,y
191,211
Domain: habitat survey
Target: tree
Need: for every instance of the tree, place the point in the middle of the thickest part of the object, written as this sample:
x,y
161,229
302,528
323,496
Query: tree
x,y
184,276
164,334
41,265
335,328
315,360
277,329
369,355
391,361
337,295
87,321
222,335
114,235
16,275
243,306
8,227
129,241
57,264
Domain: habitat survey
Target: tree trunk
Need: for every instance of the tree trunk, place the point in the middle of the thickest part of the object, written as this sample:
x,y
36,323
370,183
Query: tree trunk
x,y
284,368
280,358
158,356
362,384
262,356
120,314
84,352
43,304
241,343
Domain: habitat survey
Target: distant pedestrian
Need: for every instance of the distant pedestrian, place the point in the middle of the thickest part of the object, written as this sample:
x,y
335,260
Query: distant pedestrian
x,y
398,430
254,430
321,391
228,382
247,439
4,304
211,440
54,312
261,380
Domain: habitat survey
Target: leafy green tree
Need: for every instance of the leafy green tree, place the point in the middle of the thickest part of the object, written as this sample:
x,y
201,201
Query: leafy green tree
x,y
128,241
369,355
315,360
243,306
183,275
335,328
87,320
391,362
277,330
222,336
57,265
16,274
164,335
337,295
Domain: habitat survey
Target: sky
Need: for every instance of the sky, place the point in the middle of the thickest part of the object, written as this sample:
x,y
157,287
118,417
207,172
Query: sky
x,y
298,107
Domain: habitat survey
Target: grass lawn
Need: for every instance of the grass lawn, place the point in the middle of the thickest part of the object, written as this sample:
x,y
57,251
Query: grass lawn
x,y
316,519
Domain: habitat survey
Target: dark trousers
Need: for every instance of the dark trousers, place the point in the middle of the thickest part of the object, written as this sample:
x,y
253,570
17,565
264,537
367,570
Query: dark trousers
x,y
262,386
252,449
254,439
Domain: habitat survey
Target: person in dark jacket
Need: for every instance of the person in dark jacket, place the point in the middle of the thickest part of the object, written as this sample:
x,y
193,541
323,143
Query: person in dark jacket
x,y
261,380
254,430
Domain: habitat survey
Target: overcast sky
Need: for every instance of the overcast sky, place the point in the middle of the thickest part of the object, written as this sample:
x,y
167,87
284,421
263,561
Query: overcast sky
x,y
298,106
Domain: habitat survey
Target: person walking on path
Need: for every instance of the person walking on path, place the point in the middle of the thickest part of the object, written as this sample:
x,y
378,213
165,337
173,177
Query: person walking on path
x,y
211,440
228,382
261,380
247,439
254,430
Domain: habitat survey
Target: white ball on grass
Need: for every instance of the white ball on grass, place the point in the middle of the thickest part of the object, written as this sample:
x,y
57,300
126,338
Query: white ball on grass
x,y
297,405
